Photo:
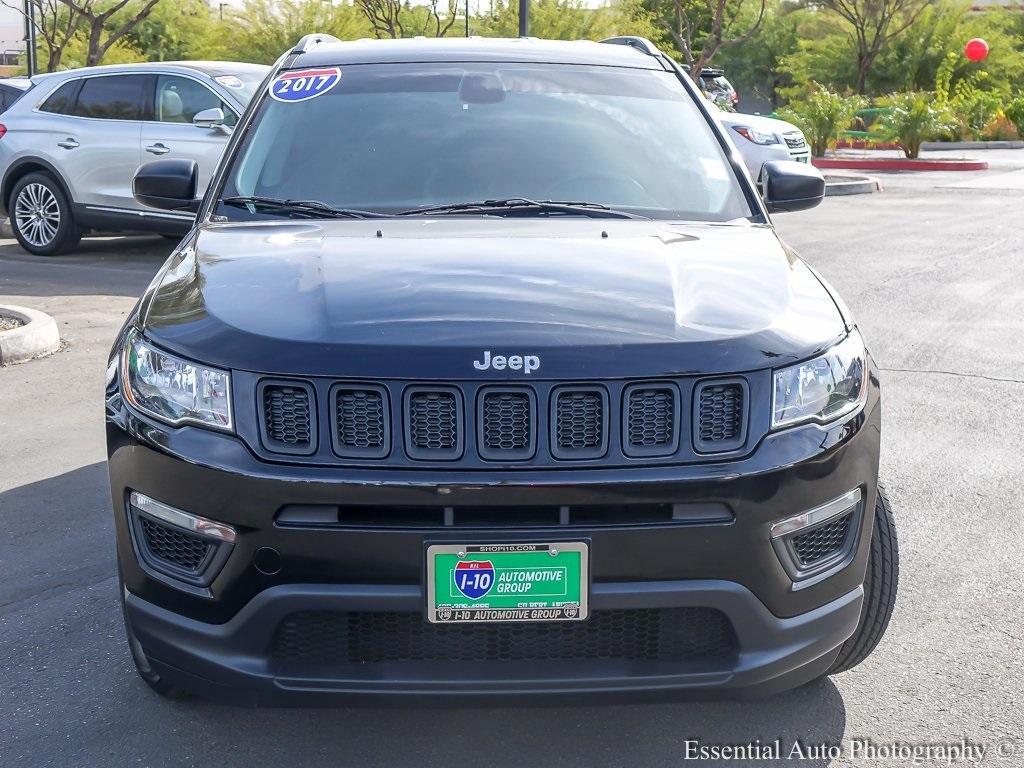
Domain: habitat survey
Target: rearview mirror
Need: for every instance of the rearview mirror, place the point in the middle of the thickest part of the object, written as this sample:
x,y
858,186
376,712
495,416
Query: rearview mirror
x,y
168,184
210,118
790,186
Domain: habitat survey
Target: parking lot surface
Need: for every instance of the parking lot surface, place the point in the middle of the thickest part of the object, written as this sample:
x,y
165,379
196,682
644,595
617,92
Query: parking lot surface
x,y
932,269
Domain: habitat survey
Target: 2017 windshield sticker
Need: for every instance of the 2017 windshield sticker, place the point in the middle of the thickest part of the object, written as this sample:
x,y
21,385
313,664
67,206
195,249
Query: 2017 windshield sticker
x,y
304,84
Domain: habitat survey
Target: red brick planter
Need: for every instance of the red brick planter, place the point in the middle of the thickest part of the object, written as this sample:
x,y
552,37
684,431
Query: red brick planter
x,y
898,164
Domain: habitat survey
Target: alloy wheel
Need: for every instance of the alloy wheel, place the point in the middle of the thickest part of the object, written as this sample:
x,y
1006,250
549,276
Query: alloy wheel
x,y
37,214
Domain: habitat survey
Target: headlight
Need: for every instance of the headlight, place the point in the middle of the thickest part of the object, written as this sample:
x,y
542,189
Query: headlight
x,y
823,389
174,390
758,137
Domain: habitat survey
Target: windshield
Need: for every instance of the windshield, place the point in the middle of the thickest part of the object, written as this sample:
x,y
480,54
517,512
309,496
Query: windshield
x,y
397,137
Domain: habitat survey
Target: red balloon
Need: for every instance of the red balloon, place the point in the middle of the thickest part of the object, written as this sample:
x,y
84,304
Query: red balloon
x,y
976,49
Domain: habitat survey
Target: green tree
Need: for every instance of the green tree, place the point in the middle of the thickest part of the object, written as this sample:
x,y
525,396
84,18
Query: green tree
x,y
264,29
757,68
178,31
566,20
699,29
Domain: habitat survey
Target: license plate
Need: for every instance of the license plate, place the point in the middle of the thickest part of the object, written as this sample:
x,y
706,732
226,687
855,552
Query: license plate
x,y
803,159
507,582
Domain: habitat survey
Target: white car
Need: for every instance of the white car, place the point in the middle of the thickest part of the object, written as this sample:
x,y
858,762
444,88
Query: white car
x,y
760,139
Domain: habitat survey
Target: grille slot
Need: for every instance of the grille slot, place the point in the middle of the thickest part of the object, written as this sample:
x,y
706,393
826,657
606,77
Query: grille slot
x,y
174,547
507,424
434,423
721,416
818,544
289,416
649,419
698,636
362,421
579,423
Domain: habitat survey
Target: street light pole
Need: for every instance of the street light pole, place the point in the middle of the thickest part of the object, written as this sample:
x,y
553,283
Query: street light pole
x,y
467,18
30,37
524,18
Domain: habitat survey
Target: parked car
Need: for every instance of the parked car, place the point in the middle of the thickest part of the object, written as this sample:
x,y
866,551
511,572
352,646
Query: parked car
x,y
716,86
70,147
484,373
12,89
763,139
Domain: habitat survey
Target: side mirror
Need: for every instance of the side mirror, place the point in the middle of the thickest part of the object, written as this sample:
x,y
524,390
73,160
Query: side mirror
x,y
168,184
790,186
210,118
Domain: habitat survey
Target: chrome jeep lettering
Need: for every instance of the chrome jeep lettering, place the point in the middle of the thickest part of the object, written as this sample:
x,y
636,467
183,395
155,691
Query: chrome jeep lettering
x,y
525,363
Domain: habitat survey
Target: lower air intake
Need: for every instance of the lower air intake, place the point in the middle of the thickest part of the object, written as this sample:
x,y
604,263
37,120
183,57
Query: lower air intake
x,y
699,635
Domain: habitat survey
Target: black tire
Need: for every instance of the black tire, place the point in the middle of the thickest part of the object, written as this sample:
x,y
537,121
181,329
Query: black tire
x,y
880,587
36,238
149,676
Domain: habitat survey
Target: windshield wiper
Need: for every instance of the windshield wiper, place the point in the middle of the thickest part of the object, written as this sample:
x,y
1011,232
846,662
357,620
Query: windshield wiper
x,y
521,205
307,208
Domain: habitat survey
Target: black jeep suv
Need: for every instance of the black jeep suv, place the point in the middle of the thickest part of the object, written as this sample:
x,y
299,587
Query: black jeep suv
x,y
484,373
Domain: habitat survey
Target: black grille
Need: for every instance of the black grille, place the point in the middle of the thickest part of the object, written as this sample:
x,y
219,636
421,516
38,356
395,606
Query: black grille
x,y
288,417
173,546
720,416
362,425
817,544
507,424
434,427
697,635
580,428
794,141
650,420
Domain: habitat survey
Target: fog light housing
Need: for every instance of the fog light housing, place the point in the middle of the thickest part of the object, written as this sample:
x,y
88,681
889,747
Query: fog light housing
x,y
175,546
819,542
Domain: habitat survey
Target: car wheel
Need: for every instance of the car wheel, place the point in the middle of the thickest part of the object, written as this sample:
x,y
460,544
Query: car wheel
x,y
146,672
880,587
41,216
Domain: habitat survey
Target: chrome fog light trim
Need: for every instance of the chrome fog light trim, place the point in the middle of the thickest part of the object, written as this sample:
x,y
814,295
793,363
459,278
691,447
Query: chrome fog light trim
x,y
826,511
177,517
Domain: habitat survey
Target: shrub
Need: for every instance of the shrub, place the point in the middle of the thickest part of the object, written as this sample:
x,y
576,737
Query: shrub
x,y
822,115
1014,112
912,119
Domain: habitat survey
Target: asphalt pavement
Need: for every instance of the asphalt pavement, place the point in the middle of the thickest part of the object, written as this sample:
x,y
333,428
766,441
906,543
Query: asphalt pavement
x,y
933,268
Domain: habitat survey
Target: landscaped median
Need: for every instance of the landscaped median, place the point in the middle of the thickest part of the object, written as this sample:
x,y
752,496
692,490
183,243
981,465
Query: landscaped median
x,y
859,163
25,334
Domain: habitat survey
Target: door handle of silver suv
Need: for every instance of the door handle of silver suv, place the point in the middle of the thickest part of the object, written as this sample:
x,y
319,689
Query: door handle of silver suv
x,y
68,143
158,149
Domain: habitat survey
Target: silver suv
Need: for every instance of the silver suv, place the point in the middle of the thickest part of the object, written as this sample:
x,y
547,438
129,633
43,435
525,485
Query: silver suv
x,y
70,146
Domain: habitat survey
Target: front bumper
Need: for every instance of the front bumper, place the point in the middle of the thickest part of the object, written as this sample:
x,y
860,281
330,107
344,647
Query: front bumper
x,y
229,662
218,638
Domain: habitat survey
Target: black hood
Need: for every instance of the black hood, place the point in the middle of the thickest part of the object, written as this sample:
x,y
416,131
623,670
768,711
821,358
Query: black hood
x,y
423,299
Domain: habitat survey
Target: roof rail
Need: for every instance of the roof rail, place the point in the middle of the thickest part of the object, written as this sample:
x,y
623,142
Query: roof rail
x,y
310,41
642,44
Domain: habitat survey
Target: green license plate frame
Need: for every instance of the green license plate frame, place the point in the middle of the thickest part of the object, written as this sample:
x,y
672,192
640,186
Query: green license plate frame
x,y
507,582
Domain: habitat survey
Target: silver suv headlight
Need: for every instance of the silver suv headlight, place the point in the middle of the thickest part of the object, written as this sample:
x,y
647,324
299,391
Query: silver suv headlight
x,y
174,390
756,136
823,389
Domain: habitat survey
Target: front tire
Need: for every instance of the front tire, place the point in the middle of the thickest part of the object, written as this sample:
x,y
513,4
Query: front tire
x,y
880,587
41,216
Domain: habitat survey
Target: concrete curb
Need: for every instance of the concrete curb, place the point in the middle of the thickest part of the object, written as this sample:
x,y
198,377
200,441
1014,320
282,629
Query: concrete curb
x,y
36,338
939,145
839,184
898,164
